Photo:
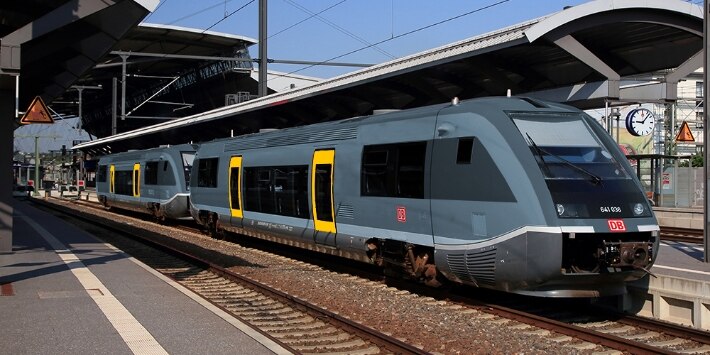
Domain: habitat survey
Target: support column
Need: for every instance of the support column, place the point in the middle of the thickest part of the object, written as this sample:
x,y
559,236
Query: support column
x,y
263,71
706,132
7,116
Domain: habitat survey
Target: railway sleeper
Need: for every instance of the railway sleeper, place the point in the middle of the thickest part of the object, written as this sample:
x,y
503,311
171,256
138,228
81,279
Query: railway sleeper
x,y
405,260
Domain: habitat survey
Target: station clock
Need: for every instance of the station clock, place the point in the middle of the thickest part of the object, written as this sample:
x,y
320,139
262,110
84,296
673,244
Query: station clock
x,y
639,122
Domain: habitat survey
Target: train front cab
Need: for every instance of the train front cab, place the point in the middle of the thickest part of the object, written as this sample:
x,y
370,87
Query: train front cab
x,y
554,211
608,233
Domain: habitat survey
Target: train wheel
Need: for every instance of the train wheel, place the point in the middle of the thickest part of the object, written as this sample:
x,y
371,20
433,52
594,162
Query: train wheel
x,y
213,227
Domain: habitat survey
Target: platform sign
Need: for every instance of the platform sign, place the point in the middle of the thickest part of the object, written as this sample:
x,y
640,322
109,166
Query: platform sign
x,y
37,113
81,183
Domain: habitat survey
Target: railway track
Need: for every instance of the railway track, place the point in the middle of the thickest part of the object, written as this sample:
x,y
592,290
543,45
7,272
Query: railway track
x,y
600,327
685,235
296,324
569,325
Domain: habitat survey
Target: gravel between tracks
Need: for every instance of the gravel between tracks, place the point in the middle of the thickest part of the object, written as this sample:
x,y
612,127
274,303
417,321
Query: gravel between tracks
x,y
435,326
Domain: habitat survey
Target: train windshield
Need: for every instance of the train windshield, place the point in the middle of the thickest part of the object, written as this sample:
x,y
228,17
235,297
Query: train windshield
x,y
566,148
187,159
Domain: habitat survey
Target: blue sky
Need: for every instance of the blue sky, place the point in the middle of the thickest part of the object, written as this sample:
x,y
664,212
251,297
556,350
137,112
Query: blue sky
x,y
348,25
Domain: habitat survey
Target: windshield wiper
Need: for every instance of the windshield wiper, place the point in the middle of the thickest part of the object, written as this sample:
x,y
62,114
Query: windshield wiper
x,y
596,180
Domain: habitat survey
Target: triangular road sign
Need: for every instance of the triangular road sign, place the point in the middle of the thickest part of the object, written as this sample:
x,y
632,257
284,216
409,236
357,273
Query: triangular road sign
x,y
37,113
685,135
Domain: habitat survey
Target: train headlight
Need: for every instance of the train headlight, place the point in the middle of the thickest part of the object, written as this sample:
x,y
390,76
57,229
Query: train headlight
x,y
639,209
560,209
571,210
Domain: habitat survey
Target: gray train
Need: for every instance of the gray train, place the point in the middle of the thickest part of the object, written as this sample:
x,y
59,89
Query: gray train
x,y
512,194
154,181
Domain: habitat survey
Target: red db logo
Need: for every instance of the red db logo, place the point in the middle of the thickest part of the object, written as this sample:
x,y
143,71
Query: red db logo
x,y
401,214
616,225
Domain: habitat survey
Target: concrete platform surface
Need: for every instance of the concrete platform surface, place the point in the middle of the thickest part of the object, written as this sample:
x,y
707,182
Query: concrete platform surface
x,y
65,292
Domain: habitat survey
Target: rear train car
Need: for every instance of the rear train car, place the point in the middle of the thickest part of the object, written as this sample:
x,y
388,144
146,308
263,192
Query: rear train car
x,y
153,181
512,194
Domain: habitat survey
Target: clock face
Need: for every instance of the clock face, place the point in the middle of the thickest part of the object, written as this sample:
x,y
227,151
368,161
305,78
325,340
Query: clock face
x,y
639,122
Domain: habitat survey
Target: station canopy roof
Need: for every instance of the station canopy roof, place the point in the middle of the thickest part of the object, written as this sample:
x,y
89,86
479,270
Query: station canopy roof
x,y
604,50
155,54
51,43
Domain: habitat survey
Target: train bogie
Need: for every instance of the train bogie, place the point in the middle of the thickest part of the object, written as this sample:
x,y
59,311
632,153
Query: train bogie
x,y
507,193
154,181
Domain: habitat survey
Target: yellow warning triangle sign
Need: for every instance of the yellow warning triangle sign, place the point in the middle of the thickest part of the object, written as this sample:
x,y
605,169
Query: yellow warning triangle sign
x,y
37,113
685,135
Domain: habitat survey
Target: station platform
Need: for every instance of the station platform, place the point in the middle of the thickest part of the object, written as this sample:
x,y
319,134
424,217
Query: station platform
x,y
678,290
676,217
63,291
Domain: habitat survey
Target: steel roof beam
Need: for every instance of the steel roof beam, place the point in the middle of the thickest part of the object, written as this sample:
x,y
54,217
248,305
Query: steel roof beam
x,y
579,51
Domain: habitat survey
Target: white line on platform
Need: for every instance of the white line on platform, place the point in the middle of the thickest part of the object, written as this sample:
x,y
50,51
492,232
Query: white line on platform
x,y
246,329
133,333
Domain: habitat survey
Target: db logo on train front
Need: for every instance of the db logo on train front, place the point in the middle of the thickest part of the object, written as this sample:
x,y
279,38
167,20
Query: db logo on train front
x,y
616,225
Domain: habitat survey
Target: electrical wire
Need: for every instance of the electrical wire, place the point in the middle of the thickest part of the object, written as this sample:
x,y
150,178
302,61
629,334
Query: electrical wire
x,y
403,34
306,19
230,14
342,30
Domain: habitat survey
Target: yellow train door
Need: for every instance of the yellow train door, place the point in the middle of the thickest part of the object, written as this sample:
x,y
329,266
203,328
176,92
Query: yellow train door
x,y
235,187
112,180
137,180
322,171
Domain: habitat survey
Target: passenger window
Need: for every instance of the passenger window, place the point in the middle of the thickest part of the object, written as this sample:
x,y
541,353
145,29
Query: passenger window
x,y
393,170
207,172
281,190
463,155
101,173
151,173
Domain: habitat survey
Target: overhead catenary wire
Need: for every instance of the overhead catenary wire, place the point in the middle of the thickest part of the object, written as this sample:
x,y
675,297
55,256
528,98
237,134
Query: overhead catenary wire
x,y
306,19
342,30
403,35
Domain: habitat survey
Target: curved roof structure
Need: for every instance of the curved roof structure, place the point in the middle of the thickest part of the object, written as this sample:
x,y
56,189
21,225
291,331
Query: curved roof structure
x,y
584,55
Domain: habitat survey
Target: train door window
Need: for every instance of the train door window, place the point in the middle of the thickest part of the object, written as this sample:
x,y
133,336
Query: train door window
x,y
151,173
324,173
465,149
322,190
136,180
207,172
235,183
101,173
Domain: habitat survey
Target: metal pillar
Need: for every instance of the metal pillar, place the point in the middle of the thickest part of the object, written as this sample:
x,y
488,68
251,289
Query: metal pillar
x,y
263,91
8,103
706,136
36,187
123,87
114,92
